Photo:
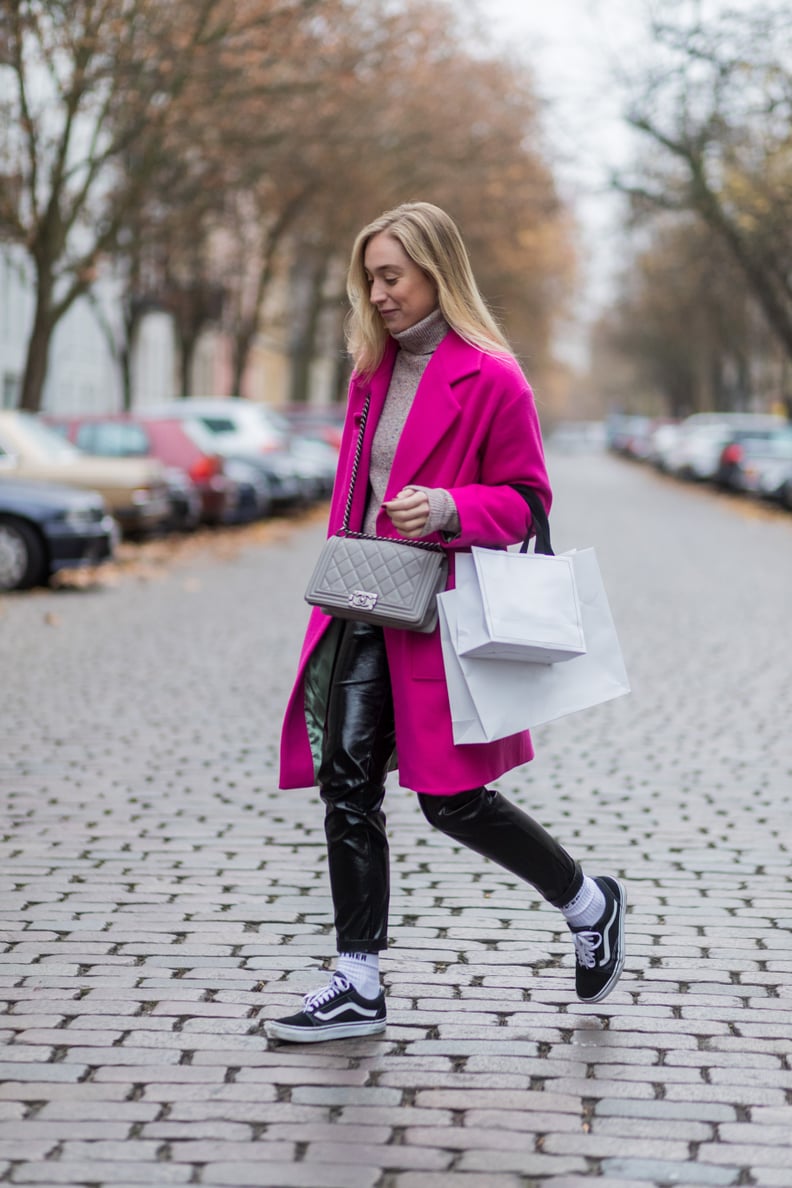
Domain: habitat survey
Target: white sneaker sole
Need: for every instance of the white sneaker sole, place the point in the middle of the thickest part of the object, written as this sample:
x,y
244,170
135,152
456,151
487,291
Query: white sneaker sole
x,y
314,1035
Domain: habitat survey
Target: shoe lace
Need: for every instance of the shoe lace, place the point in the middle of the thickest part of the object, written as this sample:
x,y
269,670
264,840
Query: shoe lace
x,y
339,984
586,945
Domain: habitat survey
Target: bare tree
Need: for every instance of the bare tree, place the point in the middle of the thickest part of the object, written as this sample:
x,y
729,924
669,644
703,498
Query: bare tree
x,y
203,244
413,113
717,109
322,113
688,325
386,105
90,82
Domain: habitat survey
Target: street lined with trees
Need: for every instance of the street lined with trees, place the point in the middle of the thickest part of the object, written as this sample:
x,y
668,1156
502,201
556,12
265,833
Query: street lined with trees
x,y
203,151
215,159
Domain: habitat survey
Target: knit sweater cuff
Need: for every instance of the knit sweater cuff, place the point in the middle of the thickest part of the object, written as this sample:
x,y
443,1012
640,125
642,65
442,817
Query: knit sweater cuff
x,y
443,514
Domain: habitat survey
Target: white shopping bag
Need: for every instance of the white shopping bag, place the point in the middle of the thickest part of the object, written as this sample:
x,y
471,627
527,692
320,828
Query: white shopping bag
x,y
492,699
518,606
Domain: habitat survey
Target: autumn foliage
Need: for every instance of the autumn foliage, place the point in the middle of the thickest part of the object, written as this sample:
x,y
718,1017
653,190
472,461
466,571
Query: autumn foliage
x,y
202,147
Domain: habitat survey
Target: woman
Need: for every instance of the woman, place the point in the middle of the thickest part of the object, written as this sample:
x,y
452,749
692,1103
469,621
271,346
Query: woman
x,y
451,425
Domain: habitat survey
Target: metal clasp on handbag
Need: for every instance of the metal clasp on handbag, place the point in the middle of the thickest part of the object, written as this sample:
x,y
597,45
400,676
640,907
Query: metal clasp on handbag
x,y
362,599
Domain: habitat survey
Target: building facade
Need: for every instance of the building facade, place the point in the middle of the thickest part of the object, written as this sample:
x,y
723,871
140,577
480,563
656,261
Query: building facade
x,y
84,372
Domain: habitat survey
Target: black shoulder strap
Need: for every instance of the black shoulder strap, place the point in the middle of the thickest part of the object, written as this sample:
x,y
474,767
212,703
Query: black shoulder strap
x,y
541,524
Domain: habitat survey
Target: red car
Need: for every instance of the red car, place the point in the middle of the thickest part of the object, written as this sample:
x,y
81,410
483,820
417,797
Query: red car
x,y
130,435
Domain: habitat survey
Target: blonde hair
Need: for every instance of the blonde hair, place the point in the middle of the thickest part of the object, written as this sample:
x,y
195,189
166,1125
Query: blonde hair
x,y
432,241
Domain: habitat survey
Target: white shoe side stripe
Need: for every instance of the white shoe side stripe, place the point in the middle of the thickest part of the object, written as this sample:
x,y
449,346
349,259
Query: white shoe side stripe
x,y
605,935
330,1013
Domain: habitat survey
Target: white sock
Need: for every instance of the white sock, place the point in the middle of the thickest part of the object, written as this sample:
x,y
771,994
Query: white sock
x,y
588,906
362,970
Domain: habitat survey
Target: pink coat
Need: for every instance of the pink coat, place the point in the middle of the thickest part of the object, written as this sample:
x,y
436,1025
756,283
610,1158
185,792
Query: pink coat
x,y
472,429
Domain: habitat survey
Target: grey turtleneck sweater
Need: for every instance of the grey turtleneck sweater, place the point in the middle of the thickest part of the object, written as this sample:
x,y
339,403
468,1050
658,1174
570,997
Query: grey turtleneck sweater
x,y
417,344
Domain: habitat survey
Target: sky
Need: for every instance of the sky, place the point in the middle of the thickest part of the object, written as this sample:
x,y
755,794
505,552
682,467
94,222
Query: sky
x,y
575,48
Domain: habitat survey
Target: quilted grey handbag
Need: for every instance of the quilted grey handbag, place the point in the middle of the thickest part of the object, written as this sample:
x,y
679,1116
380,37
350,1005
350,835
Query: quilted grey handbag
x,y
377,579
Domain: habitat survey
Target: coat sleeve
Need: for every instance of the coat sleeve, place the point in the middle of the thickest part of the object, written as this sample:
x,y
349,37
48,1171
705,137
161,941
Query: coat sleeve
x,y
490,511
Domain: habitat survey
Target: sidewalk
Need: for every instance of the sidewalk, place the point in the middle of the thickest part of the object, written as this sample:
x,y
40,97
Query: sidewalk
x,y
159,898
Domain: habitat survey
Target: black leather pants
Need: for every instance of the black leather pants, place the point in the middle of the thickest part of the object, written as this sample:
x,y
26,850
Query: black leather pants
x,y
488,823
358,744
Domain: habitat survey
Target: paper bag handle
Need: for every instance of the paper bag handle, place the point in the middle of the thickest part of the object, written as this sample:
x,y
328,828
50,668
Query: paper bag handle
x,y
540,522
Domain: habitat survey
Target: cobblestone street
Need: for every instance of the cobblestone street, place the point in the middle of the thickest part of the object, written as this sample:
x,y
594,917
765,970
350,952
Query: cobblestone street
x,y
159,898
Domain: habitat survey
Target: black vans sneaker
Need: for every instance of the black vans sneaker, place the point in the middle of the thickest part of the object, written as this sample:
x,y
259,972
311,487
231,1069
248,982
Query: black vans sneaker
x,y
336,1012
599,951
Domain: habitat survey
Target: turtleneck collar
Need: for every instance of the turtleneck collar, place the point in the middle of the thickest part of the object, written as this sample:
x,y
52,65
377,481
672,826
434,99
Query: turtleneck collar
x,y
424,336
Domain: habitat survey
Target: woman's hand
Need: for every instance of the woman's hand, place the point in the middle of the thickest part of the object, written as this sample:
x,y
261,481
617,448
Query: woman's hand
x,y
408,512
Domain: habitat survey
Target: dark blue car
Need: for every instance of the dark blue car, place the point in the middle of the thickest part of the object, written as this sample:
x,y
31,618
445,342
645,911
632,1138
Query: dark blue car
x,y
45,527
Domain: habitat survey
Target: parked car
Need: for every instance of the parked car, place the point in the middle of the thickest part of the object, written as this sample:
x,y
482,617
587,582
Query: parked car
x,y
697,451
291,483
214,495
46,527
317,462
185,501
628,434
245,430
120,438
278,477
238,427
742,441
662,443
702,438
133,489
255,489
765,467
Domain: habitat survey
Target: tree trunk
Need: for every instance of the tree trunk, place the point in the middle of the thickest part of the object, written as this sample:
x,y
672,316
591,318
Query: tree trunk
x,y
241,352
248,326
125,364
133,317
133,310
343,366
187,344
38,352
304,344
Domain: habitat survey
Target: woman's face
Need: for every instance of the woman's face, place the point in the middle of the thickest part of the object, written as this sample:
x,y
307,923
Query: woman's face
x,y
401,291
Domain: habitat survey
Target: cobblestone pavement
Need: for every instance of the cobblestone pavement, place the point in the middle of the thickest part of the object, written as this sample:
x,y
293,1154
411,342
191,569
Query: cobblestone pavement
x,y
159,898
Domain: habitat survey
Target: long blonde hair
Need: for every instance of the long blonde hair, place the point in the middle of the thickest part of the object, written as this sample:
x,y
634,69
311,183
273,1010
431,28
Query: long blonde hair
x,y
432,240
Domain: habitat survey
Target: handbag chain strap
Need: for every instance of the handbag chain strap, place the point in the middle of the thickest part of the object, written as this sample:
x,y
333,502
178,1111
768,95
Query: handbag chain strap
x,y
430,546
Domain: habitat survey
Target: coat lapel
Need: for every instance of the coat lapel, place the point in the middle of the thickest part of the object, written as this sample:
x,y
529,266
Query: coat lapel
x,y
434,410
432,416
